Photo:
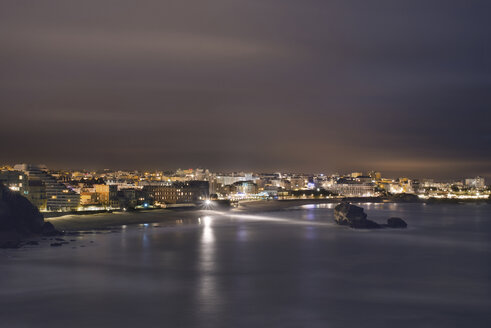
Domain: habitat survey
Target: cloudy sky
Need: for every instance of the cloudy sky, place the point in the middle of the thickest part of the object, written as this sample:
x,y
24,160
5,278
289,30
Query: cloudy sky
x,y
313,86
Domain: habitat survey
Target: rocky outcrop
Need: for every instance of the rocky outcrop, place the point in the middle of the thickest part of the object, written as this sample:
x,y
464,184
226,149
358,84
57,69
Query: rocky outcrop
x,y
353,216
50,230
345,213
396,223
19,219
365,224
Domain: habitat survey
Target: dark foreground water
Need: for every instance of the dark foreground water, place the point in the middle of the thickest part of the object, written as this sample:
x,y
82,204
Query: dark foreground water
x,y
290,268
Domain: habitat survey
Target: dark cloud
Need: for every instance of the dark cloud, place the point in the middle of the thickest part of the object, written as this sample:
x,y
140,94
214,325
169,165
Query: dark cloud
x,y
398,86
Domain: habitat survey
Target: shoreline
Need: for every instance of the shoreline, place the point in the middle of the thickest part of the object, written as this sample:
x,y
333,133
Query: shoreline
x,y
107,220
104,221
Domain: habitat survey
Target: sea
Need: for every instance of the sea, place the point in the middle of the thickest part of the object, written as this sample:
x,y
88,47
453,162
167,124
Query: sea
x,y
288,268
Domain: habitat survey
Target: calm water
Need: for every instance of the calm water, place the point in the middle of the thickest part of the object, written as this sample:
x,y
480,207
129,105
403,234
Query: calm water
x,y
290,268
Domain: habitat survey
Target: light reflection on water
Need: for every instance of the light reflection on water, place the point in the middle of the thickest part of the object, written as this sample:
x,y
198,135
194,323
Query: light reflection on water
x,y
208,293
292,268
273,219
242,233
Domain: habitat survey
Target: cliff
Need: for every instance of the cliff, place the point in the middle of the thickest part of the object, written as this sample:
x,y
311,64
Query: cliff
x,y
19,219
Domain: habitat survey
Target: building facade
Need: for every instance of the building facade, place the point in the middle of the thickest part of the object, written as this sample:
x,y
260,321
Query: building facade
x,y
178,192
58,196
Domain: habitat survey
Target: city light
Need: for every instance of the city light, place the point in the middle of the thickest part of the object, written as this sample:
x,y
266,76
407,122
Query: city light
x,y
115,190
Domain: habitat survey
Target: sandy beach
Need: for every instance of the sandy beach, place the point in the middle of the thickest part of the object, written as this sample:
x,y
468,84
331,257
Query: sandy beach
x,y
110,220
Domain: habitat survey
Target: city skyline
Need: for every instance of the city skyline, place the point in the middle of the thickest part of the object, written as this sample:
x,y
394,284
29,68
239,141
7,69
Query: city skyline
x,y
229,171
81,191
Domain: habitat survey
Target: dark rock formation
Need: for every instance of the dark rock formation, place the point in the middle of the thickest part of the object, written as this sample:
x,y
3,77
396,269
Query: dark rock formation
x,y
345,213
19,219
365,224
50,230
396,223
17,213
353,216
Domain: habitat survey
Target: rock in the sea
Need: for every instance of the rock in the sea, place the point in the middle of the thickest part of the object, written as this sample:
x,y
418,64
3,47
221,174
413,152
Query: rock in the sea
x,y
345,213
353,216
396,223
365,224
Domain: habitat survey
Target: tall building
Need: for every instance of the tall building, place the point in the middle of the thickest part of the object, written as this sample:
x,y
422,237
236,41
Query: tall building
x,y
14,180
18,181
58,196
107,195
36,193
477,183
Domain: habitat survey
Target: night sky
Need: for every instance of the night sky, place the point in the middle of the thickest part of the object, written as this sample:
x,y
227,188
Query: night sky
x,y
403,87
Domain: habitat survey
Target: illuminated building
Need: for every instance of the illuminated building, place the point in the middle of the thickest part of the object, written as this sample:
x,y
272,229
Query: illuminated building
x,y
130,198
88,198
477,183
297,183
32,189
36,193
229,179
107,195
350,187
363,179
59,196
15,181
375,175
221,184
244,187
179,192
354,190
281,183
